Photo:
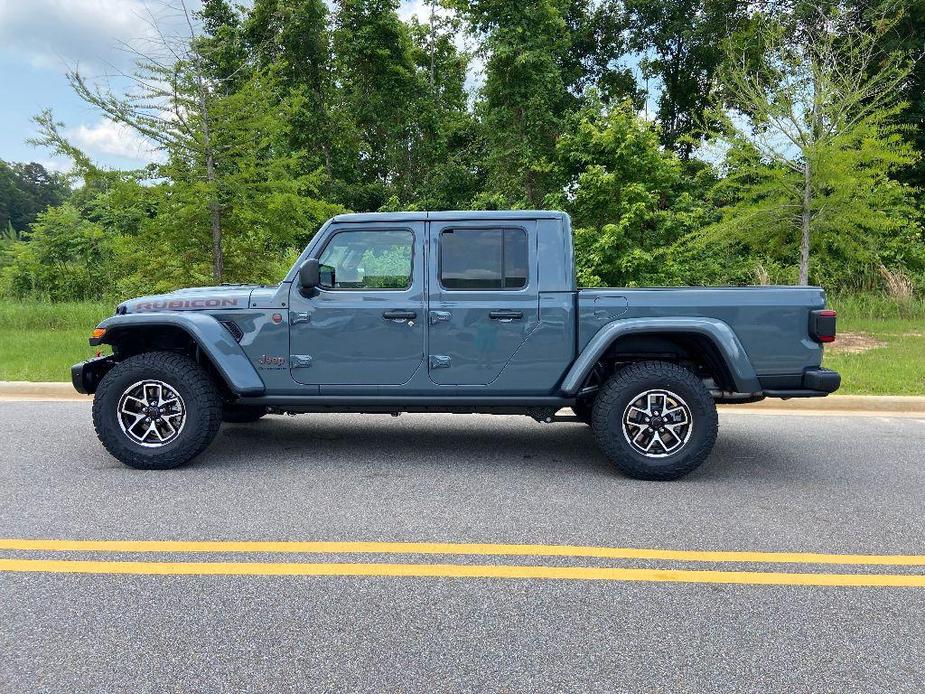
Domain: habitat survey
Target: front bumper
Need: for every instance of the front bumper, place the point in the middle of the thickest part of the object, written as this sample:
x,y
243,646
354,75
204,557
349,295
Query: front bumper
x,y
86,375
816,383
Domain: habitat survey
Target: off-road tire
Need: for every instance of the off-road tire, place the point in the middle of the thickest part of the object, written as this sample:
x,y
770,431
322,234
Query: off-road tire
x,y
242,414
201,399
622,388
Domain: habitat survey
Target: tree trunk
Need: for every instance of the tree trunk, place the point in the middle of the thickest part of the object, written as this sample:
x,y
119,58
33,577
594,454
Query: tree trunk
x,y
218,261
805,219
433,45
326,148
215,212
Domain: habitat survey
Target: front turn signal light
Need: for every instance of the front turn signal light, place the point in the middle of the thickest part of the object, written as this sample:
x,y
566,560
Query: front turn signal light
x,y
96,336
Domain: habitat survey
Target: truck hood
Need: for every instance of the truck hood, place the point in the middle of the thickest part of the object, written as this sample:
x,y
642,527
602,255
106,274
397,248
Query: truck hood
x,y
224,298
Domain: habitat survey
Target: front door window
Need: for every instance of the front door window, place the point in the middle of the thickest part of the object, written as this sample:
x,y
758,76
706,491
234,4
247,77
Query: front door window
x,y
367,260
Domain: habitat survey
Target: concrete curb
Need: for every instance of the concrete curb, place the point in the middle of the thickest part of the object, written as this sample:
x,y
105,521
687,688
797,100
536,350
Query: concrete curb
x,y
39,390
874,404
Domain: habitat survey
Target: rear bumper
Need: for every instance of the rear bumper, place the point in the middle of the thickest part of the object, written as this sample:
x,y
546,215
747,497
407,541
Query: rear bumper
x,y
86,375
816,383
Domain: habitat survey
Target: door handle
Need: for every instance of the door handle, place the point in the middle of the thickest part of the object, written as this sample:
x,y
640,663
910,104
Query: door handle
x,y
400,315
506,316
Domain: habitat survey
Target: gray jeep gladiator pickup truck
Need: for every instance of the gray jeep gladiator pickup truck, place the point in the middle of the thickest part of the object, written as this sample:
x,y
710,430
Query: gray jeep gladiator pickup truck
x,y
452,312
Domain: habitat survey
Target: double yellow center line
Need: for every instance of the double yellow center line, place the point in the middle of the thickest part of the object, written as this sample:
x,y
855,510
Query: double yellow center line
x,y
444,570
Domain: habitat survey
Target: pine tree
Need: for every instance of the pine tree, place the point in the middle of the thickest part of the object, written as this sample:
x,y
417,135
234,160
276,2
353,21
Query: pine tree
x,y
222,132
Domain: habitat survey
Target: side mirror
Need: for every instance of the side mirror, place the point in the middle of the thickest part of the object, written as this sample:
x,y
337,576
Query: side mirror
x,y
309,275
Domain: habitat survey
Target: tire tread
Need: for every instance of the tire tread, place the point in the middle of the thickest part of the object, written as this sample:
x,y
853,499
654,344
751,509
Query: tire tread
x,y
202,394
634,378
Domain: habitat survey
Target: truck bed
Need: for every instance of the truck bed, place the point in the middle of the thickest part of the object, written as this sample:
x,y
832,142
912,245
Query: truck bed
x,y
771,322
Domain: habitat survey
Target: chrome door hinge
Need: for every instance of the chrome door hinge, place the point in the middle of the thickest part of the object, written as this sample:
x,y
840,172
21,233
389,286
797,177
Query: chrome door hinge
x,y
297,317
439,361
300,361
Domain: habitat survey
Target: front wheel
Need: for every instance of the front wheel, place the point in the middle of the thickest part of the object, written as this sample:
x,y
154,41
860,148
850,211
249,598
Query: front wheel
x,y
655,420
156,410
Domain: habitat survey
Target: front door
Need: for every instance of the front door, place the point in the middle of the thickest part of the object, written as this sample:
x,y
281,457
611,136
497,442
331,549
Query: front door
x,y
483,298
365,324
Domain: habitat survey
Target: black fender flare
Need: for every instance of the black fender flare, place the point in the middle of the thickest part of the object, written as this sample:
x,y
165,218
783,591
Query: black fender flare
x,y
212,338
719,333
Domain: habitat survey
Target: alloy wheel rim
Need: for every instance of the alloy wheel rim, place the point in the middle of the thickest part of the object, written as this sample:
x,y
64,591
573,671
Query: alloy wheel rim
x,y
151,413
657,423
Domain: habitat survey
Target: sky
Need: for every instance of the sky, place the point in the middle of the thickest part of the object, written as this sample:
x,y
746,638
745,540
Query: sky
x,y
40,40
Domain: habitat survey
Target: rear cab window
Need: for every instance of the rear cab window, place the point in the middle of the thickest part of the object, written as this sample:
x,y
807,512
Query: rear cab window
x,y
483,259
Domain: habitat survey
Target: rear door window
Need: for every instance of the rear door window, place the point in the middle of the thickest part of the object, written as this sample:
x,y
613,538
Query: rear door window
x,y
483,259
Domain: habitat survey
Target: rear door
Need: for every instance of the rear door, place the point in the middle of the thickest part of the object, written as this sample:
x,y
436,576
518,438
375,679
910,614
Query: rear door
x,y
483,299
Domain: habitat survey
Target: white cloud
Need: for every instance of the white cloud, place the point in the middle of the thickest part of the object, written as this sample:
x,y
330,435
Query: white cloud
x,y
108,138
56,164
62,33
414,8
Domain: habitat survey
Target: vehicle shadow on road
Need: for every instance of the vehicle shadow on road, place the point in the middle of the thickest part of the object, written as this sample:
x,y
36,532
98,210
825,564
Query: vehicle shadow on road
x,y
452,440
410,441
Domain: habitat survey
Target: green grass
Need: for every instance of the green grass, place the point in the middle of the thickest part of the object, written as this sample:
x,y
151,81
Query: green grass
x,y
897,367
876,307
40,341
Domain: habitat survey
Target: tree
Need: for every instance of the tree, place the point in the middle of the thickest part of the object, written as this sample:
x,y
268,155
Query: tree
x,y
906,36
25,191
625,193
220,47
597,39
380,88
682,43
524,97
445,172
818,109
540,57
66,256
222,130
294,37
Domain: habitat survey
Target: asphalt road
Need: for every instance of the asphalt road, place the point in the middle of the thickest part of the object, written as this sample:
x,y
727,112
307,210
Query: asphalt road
x,y
825,484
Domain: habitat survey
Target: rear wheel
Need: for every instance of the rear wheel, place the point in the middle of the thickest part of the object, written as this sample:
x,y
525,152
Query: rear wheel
x,y
655,420
156,410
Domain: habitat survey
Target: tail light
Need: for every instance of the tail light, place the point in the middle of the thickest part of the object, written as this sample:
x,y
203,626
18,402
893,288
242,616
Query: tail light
x,y
822,325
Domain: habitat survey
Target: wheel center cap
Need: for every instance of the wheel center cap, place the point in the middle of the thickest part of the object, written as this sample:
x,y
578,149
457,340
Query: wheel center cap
x,y
656,422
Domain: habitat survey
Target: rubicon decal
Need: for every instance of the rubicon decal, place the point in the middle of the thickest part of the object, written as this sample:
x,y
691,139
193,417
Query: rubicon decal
x,y
184,304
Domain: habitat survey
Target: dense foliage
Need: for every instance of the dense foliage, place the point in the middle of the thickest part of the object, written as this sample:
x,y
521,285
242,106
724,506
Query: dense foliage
x,y
274,116
26,190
